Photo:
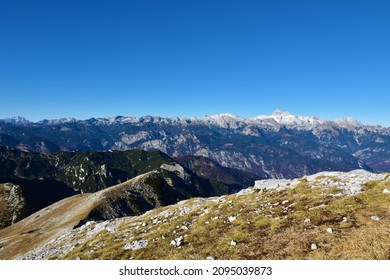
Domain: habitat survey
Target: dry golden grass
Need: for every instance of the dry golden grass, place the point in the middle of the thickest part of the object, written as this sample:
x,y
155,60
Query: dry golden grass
x,y
3,205
271,233
40,227
53,221
265,228
368,243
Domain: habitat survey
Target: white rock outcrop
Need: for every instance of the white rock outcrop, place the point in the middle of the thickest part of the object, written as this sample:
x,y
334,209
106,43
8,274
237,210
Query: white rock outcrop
x,y
177,242
276,184
136,245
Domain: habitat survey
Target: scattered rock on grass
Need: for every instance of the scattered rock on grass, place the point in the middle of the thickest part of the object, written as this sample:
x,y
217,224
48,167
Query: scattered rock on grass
x,y
136,245
177,242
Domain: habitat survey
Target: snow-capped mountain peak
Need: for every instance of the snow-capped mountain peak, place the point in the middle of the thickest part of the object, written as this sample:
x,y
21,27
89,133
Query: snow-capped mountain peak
x,y
225,120
57,121
251,144
16,120
275,122
287,119
348,121
279,112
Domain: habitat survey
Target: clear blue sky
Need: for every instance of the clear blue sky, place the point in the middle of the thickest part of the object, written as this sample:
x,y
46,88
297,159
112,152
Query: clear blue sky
x,y
194,58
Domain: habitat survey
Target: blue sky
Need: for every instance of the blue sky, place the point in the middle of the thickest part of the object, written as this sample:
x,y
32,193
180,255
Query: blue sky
x,y
194,58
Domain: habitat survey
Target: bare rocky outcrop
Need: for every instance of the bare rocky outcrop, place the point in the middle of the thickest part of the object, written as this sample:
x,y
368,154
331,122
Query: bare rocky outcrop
x,y
12,204
349,182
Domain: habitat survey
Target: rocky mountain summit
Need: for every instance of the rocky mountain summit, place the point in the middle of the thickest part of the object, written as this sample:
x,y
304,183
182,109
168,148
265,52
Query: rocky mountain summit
x,y
282,145
329,215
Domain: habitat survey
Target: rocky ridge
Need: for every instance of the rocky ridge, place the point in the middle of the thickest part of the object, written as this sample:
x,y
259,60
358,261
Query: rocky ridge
x,y
324,216
349,183
43,179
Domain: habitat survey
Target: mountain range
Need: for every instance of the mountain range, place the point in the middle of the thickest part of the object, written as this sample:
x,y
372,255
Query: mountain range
x,y
282,145
145,187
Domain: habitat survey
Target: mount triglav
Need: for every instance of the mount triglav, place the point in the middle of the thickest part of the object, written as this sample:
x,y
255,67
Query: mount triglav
x,y
278,146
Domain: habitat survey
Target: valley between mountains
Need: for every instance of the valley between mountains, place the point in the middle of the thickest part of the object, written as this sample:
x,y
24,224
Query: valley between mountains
x,y
220,187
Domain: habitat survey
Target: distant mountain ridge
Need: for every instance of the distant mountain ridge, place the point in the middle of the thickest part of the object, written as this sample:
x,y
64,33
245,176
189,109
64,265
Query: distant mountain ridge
x,y
282,145
278,117
16,120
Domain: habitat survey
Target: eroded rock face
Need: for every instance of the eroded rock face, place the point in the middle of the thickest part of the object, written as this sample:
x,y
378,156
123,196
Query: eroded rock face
x,y
12,204
177,169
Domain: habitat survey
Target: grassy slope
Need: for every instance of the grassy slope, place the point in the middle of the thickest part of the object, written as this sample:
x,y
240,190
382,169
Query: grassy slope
x,y
269,225
57,219
264,229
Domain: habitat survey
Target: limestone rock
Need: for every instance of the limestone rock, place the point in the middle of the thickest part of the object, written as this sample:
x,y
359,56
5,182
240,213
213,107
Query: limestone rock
x,y
136,245
232,219
177,242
